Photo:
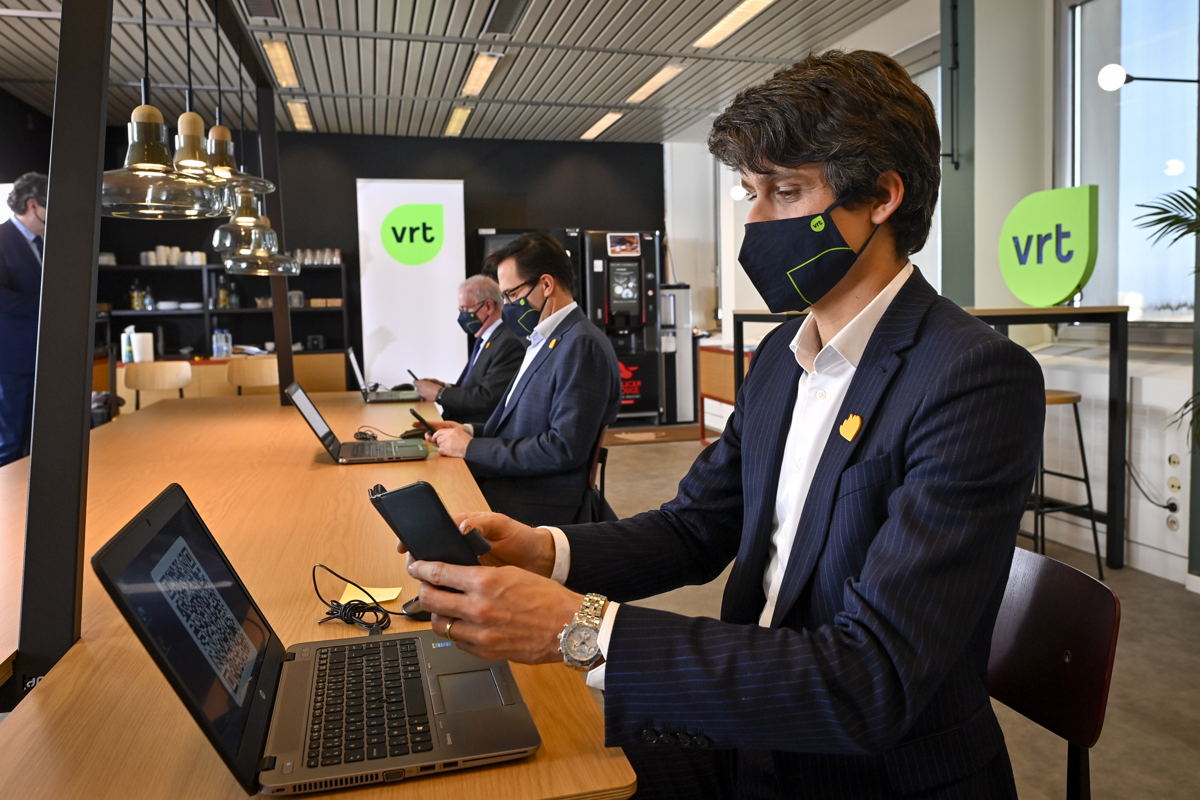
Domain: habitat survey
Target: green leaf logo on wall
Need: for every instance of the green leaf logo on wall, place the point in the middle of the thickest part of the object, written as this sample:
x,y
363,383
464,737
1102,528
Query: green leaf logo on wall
x,y
1048,245
413,234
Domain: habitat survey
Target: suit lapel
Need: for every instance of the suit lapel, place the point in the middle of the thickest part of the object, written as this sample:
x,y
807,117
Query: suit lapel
x,y
881,361
743,600
543,355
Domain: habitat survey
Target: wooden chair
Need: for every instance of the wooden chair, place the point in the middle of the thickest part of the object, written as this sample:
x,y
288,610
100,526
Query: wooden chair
x,y
252,371
1052,654
156,376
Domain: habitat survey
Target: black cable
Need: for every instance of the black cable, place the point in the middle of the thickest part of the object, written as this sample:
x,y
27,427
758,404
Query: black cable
x,y
217,22
378,430
354,612
145,59
187,39
1170,505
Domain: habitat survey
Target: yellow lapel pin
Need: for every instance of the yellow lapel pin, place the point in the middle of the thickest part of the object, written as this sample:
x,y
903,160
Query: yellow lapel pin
x,y
552,343
850,427
486,346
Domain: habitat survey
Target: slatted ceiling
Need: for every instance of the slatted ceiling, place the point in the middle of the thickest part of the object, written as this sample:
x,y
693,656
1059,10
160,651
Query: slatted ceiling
x,y
357,80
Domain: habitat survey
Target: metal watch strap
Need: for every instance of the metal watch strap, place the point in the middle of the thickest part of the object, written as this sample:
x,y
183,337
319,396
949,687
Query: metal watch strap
x,y
591,613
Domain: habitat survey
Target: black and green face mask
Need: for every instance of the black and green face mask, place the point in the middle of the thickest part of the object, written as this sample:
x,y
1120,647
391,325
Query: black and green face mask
x,y
520,315
794,262
469,320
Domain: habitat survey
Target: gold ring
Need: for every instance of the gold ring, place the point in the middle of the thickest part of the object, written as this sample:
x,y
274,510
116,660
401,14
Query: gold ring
x,y
446,633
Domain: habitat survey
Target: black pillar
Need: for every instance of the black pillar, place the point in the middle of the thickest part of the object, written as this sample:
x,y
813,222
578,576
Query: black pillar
x,y
268,155
52,592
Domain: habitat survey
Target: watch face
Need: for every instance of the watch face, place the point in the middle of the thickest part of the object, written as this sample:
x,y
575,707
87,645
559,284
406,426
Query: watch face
x,y
580,643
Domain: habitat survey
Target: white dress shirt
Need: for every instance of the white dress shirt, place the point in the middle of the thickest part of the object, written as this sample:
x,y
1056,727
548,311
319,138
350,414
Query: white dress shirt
x,y
819,397
29,235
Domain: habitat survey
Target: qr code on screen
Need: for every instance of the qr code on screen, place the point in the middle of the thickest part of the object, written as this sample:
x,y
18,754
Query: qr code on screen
x,y
206,617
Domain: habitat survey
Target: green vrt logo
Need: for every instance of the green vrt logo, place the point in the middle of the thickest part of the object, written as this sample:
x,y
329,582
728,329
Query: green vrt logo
x,y
413,234
1047,246
818,224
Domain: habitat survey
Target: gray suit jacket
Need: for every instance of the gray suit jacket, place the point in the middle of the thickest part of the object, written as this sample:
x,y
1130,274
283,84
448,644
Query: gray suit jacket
x,y
532,459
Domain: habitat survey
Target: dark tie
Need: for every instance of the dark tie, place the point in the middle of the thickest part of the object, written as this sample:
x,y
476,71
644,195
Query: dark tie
x,y
471,361
37,242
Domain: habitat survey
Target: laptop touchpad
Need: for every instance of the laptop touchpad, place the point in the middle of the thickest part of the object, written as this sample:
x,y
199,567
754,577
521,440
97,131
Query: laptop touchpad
x,y
469,691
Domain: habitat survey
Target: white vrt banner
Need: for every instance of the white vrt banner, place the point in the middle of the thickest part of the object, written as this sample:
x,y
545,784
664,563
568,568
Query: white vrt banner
x,y
412,251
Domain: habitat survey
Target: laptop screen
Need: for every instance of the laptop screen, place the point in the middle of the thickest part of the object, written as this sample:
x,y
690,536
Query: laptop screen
x,y
197,614
313,417
358,373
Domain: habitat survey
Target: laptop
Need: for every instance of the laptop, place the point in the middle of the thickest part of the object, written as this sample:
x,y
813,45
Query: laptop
x,y
318,715
372,395
353,452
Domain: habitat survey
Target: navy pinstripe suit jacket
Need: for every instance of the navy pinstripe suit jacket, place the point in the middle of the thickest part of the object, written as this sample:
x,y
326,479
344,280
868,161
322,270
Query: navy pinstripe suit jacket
x,y
532,459
20,294
871,680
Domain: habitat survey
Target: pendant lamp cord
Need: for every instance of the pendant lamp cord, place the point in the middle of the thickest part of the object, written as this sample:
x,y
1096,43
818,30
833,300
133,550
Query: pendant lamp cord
x,y
187,35
242,101
217,20
145,59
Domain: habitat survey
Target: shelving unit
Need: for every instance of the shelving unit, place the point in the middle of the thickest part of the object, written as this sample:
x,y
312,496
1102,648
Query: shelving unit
x,y
188,332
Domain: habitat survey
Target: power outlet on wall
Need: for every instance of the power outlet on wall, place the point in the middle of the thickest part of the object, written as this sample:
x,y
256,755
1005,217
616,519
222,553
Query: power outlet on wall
x,y
1173,484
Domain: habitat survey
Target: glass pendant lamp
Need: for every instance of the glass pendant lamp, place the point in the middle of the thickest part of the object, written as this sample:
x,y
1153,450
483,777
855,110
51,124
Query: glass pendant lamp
x,y
148,187
256,252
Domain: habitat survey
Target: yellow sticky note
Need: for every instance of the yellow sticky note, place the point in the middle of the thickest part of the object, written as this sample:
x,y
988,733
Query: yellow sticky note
x,y
850,427
380,593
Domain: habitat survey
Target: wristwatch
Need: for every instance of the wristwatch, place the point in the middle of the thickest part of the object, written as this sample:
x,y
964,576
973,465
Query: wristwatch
x,y
579,641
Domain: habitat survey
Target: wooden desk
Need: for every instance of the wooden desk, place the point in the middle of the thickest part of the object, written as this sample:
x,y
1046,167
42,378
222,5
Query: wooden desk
x,y
715,377
105,723
14,489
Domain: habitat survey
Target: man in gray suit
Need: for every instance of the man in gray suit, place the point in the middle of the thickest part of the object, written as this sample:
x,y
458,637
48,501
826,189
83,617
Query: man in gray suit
x,y
496,355
532,457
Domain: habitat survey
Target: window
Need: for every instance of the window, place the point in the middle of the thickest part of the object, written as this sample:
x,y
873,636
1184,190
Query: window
x,y
1135,144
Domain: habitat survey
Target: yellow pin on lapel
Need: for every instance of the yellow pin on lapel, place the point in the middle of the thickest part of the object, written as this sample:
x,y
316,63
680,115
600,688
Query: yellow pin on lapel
x,y
552,343
486,346
850,427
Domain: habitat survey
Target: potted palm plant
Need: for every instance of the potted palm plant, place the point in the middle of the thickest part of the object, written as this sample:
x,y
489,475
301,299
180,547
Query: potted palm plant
x,y
1174,216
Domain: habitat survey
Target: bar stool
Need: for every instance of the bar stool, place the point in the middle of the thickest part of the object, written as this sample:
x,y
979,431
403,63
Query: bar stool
x,y
1041,505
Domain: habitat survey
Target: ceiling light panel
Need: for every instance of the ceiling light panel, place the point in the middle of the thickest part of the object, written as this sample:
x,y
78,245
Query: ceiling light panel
x,y
279,54
739,16
301,119
660,79
481,70
457,121
602,125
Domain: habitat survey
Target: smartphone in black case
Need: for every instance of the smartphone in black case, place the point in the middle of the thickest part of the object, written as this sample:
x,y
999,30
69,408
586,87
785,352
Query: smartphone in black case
x,y
416,515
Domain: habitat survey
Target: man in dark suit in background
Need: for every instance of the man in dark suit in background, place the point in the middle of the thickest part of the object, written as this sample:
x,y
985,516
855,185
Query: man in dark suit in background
x,y
867,487
495,357
532,457
20,293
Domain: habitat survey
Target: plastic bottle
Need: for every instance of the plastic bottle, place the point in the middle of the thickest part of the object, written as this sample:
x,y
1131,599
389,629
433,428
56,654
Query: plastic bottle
x,y
222,343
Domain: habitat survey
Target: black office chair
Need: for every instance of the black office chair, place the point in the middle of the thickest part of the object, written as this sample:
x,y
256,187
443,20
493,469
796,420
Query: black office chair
x,y
1052,654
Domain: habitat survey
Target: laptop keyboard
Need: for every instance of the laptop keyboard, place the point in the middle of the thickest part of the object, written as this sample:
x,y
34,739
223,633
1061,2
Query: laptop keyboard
x,y
368,703
384,449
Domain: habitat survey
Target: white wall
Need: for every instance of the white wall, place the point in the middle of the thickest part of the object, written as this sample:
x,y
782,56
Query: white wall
x,y
1014,124
688,177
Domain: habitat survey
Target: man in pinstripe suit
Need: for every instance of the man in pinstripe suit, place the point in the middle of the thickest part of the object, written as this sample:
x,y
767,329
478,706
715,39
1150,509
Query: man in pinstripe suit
x,y
867,488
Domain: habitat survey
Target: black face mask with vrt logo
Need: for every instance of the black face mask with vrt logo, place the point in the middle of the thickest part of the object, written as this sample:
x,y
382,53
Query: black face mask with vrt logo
x,y
794,262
